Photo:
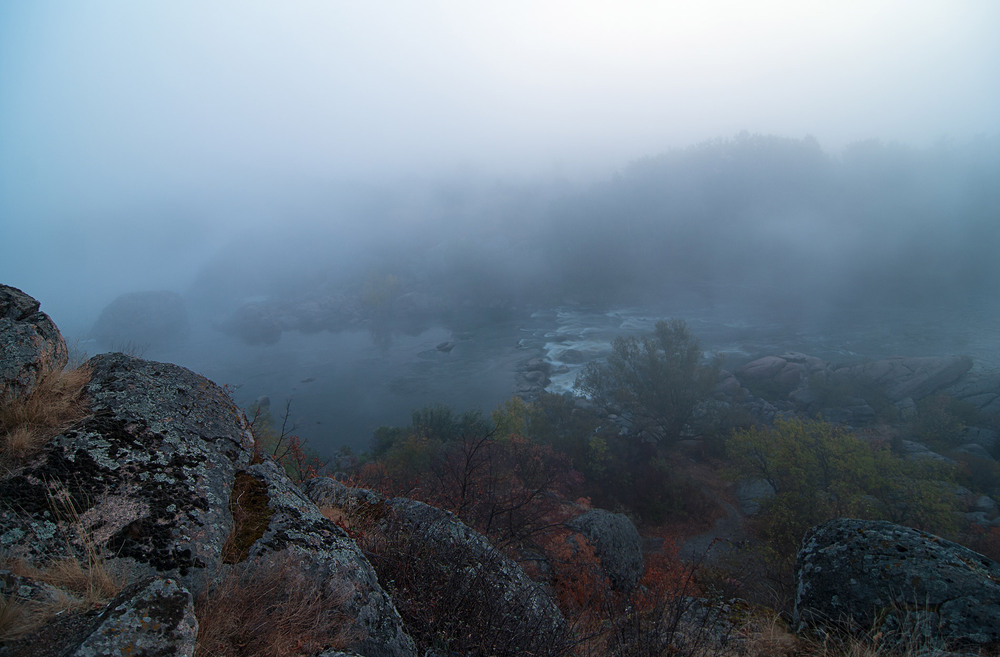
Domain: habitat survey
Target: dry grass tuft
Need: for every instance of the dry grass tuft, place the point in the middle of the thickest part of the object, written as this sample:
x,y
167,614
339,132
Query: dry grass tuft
x,y
13,618
81,582
91,583
28,421
272,609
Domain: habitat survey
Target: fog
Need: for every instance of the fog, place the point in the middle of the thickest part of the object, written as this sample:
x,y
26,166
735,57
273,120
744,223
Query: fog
x,y
333,190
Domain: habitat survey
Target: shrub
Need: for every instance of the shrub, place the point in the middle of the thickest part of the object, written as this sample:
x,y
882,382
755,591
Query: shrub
x,y
652,382
820,471
298,460
505,486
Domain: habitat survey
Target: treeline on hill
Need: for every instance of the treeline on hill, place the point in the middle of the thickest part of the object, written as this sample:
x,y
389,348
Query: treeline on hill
x,y
770,224
779,219
650,442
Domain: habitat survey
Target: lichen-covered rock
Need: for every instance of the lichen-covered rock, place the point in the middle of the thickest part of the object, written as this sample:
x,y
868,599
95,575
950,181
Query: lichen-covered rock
x,y
19,588
144,482
30,344
151,618
41,620
296,529
139,319
433,559
876,576
617,544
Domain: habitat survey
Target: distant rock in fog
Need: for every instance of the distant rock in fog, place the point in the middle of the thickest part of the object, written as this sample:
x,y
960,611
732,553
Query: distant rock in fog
x,y
137,320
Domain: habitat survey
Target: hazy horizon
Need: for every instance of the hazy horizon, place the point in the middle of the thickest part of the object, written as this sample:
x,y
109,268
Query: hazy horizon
x,y
805,160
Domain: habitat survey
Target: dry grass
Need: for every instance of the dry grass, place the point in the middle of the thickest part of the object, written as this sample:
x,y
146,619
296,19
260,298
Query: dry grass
x,y
28,421
272,609
81,583
12,618
91,583
770,637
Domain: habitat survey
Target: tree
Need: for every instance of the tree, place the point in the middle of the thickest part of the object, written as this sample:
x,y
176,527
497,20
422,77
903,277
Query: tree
x,y
652,382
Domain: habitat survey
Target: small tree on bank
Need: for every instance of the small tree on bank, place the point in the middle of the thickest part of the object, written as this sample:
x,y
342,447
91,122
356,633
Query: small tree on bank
x,y
652,382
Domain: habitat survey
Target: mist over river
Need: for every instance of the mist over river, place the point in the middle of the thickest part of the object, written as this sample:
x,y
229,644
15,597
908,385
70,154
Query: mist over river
x,y
342,385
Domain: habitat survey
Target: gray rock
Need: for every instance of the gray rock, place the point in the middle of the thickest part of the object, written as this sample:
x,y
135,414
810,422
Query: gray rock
x,y
30,344
873,576
137,320
986,438
911,449
143,482
907,409
456,565
148,619
728,387
984,504
975,450
781,374
617,544
751,494
979,390
15,304
254,324
323,552
914,377
26,589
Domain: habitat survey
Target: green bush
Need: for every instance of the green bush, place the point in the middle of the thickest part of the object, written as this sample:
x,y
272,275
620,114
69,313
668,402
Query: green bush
x,y
652,382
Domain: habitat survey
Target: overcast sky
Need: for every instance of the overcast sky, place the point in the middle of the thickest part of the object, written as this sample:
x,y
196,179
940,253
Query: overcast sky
x,y
109,107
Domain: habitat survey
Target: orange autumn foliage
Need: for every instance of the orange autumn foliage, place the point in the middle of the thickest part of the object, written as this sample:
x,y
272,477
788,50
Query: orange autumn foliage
x,y
577,577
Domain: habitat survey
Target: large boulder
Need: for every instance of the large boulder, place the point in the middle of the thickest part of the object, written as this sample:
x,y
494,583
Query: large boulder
x,y
137,320
254,323
450,583
30,344
909,377
142,482
617,544
149,617
780,375
290,527
149,485
980,390
873,576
